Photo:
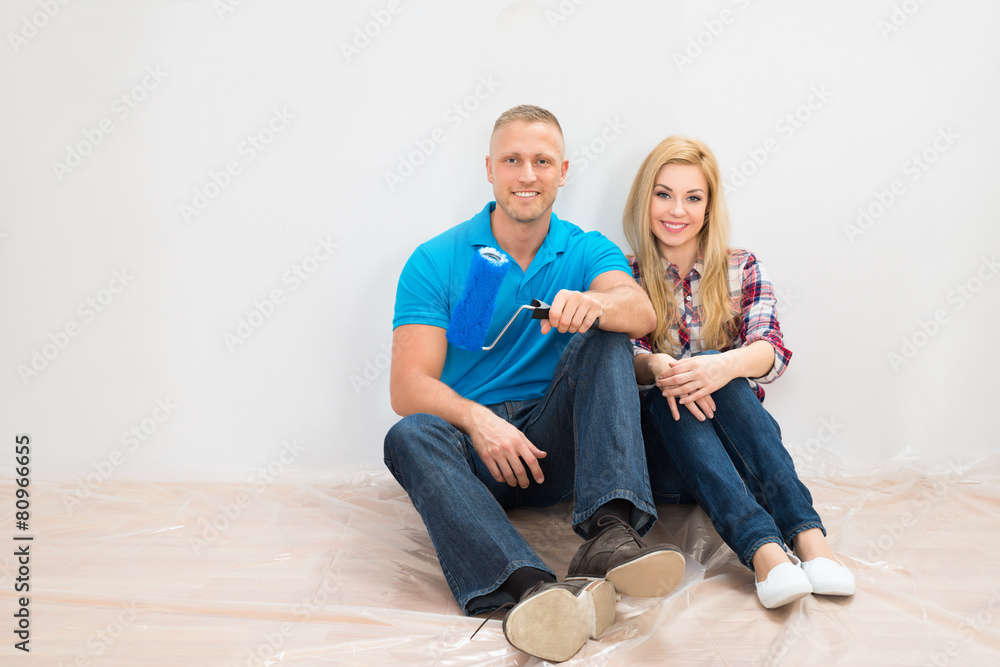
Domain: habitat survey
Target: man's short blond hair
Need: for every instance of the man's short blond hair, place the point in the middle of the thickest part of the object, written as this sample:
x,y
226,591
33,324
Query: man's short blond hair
x,y
528,113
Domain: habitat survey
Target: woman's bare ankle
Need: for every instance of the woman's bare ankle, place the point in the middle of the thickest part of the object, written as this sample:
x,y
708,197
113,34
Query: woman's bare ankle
x,y
811,543
766,558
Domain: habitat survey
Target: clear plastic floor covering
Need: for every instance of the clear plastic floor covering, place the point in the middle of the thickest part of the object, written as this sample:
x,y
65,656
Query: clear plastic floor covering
x,y
339,570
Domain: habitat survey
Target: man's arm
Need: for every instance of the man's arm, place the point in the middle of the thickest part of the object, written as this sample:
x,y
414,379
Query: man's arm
x,y
614,297
418,355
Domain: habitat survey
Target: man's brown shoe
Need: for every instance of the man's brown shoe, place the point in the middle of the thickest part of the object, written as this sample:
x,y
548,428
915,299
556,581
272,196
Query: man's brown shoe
x,y
619,555
554,620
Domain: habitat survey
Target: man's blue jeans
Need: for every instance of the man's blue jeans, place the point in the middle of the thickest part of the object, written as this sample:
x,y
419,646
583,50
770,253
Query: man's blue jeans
x,y
733,465
588,424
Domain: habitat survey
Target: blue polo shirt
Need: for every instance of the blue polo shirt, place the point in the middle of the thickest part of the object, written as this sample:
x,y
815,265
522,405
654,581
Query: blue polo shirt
x,y
521,365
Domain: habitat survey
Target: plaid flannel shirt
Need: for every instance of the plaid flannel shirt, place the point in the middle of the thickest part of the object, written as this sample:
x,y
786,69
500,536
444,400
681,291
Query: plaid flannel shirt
x,y
748,287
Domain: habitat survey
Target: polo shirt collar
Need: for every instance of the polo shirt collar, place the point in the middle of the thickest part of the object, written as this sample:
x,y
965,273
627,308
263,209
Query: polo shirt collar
x,y
480,233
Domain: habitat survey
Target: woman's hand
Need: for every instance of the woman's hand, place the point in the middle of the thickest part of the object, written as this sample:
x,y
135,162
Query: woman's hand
x,y
659,367
691,382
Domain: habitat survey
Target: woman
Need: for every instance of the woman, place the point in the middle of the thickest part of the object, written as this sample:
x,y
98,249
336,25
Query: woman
x,y
716,339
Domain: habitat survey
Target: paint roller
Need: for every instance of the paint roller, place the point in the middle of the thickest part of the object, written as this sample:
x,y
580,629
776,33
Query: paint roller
x,y
475,308
477,305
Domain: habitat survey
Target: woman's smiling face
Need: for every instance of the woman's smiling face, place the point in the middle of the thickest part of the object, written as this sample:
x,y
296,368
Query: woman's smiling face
x,y
677,209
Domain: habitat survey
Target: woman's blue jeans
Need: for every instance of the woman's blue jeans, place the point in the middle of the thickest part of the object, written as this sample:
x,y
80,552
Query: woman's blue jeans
x,y
588,424
733,465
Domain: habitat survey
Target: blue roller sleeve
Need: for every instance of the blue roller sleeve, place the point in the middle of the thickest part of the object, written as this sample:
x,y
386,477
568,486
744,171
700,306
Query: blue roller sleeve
x,y
474,311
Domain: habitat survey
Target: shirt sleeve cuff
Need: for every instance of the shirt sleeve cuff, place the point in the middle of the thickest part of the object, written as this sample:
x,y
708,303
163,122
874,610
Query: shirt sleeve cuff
x,y
777,368
638,350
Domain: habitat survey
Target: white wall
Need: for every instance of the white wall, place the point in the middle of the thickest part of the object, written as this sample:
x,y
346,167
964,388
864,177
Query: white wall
x,y
309,387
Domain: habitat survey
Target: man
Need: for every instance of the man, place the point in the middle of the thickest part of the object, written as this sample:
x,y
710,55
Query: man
x,y
549,414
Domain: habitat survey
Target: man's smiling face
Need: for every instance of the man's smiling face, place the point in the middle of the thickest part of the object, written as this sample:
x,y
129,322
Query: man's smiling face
x,y
526,168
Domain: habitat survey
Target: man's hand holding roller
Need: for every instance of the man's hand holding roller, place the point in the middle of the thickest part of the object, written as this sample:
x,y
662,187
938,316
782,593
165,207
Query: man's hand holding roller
x,y
572,312
614,297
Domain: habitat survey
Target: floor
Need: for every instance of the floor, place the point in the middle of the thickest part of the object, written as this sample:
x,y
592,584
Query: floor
x,y
338,569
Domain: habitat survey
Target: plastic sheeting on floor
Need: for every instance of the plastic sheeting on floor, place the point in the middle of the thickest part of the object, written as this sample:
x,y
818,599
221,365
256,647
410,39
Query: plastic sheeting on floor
x,y
339,570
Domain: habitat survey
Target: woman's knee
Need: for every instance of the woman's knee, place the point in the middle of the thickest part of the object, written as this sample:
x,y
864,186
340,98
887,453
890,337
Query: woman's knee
x,y
735,387
658,417
655,404
736,390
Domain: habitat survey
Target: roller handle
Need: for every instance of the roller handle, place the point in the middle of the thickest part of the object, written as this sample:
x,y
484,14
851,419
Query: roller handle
x,y
540,311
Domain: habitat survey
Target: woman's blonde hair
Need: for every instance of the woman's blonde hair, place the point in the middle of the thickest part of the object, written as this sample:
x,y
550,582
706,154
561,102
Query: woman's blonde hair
x,y
718,314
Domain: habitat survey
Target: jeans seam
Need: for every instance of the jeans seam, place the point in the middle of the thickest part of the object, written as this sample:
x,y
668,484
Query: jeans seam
x,y
460,446
509,570
792,534
539,409
616,494
747,558
732,443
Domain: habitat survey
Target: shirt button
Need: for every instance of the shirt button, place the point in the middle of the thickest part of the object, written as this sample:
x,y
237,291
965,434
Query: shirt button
x,y
687,298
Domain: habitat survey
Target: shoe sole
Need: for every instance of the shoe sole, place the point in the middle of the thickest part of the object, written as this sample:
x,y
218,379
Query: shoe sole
x,y
555,624
653,575
833,579
833,589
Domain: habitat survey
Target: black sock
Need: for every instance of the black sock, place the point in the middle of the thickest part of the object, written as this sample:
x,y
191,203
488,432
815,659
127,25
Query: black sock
x,y
618,508
522,579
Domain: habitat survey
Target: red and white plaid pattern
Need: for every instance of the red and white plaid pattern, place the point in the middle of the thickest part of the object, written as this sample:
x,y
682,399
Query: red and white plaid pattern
x,y
749,287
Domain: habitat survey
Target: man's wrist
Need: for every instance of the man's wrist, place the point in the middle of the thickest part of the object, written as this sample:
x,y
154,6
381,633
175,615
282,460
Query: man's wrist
x,y
472,417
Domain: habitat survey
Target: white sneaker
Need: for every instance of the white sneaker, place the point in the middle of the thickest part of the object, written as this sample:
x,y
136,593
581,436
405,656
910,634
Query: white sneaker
x,y
829,577
784,583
